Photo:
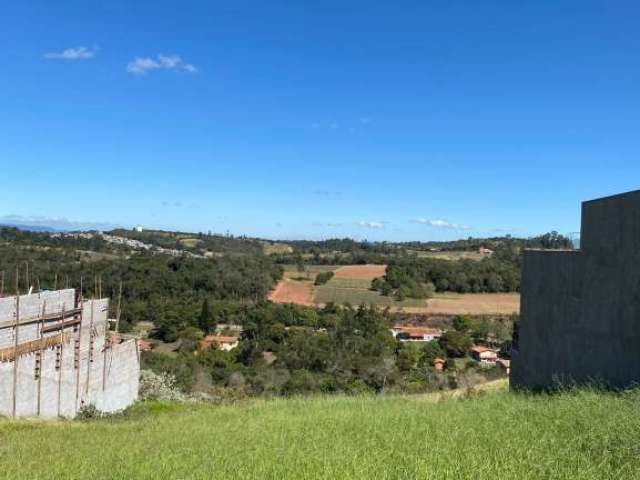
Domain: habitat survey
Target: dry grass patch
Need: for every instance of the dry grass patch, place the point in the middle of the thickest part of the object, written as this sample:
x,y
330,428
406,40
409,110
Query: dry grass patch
x,y
470,303
364,272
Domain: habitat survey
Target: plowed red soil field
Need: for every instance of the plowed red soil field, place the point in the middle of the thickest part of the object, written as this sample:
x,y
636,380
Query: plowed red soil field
x,y
364,272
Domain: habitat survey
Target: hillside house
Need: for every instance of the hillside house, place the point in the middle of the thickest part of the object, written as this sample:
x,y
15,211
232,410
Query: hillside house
x,y
484,354
222,342
415,334
223,328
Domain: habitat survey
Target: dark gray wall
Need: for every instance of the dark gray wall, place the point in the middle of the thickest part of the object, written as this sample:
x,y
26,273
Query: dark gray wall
x,y
580,312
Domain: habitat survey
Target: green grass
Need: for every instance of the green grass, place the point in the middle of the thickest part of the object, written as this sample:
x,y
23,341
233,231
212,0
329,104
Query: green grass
x,y
329,293
579,435
360,283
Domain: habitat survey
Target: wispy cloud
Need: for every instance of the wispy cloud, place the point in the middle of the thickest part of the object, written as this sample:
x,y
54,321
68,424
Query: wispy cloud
x,y
442,224
327,225
142,65
54,223
372,224
75,53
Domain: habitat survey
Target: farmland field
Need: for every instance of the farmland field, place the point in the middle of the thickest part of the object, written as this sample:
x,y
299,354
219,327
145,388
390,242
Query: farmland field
x,y
449,255
364,272
360,283
356,296
473,303
351,284
291,291
310,271
586,435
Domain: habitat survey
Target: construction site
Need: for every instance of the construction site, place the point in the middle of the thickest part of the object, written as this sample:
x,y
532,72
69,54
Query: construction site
x,y
58,356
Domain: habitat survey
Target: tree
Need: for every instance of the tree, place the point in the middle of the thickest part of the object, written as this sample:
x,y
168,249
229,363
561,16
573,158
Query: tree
x,y
300,266
408,356
461,323
430,352
206,321
455,343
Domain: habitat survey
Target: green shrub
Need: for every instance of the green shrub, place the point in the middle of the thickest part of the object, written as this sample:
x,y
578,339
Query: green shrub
x,y
323,277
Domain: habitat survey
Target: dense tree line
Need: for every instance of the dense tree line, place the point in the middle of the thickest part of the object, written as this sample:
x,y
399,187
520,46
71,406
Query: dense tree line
x,y
500,272
350,252
551,240
420,277
287,349
166,290
18,237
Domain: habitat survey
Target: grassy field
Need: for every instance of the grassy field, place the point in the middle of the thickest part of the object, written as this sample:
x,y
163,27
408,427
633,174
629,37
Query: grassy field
x,y
352,285
582,435
334,292
454,255
360,283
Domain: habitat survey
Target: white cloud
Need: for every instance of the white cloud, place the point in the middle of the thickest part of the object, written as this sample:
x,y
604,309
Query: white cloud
x,y
443,224
374,225
142,65
75,53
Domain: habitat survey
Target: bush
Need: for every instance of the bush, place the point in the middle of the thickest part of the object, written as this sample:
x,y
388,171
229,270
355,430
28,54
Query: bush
x,y
323,277
89,412
162,387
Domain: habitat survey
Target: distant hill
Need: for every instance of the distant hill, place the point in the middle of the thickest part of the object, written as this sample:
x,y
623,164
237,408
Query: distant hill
x,y
31,228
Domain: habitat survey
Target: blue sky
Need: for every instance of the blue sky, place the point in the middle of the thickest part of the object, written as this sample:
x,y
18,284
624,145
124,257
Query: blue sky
x,y
407,120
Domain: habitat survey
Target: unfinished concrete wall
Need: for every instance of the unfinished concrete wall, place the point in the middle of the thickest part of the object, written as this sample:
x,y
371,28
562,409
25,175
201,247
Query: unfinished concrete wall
x,y
61,360
580,312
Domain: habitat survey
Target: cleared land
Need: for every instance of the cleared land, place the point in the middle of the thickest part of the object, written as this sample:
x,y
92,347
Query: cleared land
x,y
579,435
351,284
450,255
364,272
474,303
291,291
275,247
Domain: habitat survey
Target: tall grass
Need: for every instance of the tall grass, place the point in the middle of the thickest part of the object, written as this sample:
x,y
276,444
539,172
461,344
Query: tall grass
x,y
573,435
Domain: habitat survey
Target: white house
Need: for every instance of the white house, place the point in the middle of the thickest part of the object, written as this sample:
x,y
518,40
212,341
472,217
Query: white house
x,y
484,354
415,334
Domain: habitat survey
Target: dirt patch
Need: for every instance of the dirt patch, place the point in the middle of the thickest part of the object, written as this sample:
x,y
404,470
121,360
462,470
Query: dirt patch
x,y
471,303
289,291
364,272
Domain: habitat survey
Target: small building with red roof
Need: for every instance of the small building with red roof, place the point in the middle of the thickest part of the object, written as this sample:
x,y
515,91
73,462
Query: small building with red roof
x,y
484,354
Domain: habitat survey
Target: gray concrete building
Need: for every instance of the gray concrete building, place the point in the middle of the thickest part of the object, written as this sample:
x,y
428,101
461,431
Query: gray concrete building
x,y
56,356
580,309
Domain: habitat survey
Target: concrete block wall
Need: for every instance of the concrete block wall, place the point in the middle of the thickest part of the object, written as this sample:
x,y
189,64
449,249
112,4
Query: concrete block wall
x,y
102,375
580,312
